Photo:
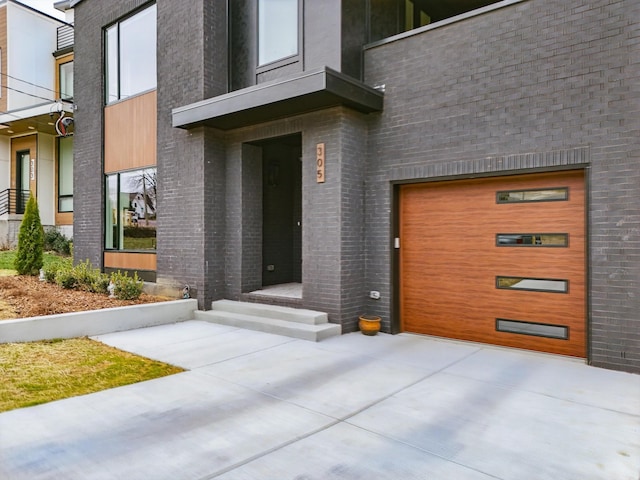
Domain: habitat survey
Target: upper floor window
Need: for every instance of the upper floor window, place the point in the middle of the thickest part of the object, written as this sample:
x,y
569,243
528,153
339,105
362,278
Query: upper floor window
x,y
65,74
388,18
130,55
277,30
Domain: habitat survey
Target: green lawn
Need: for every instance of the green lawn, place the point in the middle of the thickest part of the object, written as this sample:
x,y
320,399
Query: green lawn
x,y
39,372
7,258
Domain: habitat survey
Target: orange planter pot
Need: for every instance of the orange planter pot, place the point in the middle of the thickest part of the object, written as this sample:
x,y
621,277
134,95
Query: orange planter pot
x,y
369,324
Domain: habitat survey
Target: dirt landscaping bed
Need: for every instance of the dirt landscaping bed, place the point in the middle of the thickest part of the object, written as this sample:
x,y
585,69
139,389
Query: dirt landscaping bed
x,y
27,296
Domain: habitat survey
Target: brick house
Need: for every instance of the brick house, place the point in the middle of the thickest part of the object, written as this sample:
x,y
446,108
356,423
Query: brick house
x,y
468,171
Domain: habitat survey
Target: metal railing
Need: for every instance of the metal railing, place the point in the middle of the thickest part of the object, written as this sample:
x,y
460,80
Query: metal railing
x,y
65,36
13,201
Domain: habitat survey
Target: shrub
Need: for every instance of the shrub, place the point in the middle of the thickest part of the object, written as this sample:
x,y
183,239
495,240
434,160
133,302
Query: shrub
x,y
84,273
56,241
65,277
126,287
51,268
100,283
30,241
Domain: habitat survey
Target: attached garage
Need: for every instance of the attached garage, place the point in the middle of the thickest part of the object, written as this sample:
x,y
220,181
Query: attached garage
x,y
497,260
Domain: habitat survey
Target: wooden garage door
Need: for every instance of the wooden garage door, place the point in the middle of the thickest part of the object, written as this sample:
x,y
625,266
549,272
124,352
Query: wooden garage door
x,y
496,260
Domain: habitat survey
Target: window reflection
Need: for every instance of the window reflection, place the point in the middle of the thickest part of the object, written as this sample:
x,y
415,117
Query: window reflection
x,y
130,56
532,239
542,195
277,30
533,284
531,328
131,210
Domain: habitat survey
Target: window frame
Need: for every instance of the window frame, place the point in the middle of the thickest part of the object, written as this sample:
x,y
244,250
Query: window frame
x,y
118,64
65,196
60,89
117,247
279,62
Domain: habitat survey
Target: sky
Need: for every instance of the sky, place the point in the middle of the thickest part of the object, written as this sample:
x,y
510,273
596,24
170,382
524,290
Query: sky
x,y
45,6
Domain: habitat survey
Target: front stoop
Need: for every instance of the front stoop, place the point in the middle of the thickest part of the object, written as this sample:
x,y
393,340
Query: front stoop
x,y
290,322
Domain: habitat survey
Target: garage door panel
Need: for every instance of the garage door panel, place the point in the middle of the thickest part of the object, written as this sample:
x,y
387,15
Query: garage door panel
x,y
449,261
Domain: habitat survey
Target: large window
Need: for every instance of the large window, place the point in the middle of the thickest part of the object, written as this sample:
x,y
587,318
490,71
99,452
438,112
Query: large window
x,y
130,55
130,210
277,30
65,174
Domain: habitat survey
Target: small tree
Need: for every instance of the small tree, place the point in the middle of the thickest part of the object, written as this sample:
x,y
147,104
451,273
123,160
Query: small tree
x,y
30,241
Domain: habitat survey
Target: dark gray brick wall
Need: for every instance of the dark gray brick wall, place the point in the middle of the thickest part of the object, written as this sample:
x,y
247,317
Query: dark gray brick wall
x,y
192,66
537,83
90,18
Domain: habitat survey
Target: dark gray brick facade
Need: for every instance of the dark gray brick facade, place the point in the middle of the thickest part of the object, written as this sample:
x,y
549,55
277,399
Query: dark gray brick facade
x,y
537,85
534,85
191,66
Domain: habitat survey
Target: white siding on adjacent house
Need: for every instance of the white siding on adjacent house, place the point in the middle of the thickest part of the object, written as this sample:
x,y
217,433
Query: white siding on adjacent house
x,y
46,178
30,39
5,163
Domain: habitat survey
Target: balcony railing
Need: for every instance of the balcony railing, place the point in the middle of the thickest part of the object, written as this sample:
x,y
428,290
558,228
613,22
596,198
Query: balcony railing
x,y
65,36
13,201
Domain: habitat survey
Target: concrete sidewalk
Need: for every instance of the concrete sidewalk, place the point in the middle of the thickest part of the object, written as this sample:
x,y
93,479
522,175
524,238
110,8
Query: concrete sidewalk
x,y
260,406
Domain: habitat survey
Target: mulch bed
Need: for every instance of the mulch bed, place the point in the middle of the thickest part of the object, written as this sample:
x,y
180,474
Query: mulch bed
x,y
26,296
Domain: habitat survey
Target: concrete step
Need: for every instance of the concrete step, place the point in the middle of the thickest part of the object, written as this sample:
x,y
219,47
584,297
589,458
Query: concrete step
x,y
298,315
258,321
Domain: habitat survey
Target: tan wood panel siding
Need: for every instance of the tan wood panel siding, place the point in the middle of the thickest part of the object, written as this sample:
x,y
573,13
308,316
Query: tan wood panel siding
x,y
30,142
130,131
132,261
449,261
65,218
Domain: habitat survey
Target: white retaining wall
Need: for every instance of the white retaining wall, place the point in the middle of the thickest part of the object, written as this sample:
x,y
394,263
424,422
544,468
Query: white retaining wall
x,y
96,322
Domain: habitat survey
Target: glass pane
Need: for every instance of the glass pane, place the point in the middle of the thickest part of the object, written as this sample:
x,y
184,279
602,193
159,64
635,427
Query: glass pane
x,y
65,166
543,195
66,81
24,171
138,209
138,53
534,284
111,212
535,329
111,65
532,239
65,204
277,30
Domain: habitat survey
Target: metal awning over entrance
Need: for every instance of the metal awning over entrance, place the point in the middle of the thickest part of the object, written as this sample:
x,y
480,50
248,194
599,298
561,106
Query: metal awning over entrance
x,y
309,91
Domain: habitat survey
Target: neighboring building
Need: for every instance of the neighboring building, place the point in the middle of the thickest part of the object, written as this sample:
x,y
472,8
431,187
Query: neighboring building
x,y
36,79
467,171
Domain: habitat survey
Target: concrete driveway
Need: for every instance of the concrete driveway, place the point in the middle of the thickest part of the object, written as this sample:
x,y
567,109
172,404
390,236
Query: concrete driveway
x,y
260,406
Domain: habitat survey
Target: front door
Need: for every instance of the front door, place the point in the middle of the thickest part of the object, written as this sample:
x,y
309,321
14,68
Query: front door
x,y
282,211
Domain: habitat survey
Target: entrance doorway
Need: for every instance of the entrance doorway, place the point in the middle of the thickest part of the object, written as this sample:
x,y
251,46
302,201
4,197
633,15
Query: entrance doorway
x,y
282,211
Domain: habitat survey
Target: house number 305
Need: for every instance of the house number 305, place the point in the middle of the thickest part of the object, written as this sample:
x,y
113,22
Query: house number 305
x,y
320,162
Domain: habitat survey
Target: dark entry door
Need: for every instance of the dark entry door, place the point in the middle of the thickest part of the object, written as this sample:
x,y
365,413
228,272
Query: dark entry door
x,y
282,211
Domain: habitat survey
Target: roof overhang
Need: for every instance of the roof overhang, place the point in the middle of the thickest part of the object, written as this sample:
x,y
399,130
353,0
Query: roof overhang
x,y
309,91
38,118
